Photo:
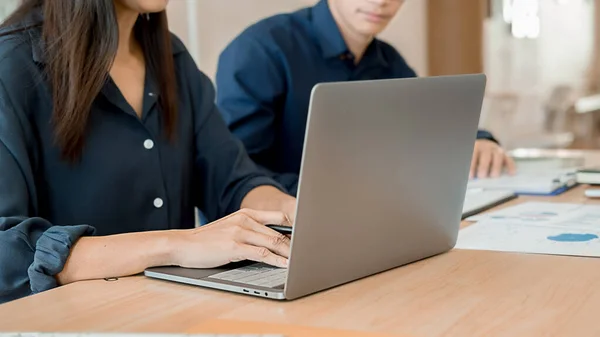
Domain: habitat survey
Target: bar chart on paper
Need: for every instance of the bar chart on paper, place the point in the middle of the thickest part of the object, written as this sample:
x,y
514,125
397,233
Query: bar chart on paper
x,y
538,228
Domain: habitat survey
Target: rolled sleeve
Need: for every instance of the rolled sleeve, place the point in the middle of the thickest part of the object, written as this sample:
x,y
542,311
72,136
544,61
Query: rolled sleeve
x,y
32,250
32,253
51,253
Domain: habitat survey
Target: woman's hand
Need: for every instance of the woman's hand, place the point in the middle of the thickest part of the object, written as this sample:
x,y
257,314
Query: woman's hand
x,y
240,236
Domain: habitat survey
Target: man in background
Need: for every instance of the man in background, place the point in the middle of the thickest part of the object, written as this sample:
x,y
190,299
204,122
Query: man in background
x,y
266,74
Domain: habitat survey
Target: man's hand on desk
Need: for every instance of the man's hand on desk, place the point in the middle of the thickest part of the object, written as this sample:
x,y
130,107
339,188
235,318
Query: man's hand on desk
x,y
489,160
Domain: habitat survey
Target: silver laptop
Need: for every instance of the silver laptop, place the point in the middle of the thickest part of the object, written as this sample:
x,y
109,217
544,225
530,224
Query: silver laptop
x,y
382,184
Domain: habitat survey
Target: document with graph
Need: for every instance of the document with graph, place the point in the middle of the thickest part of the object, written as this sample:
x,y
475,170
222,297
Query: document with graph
x,y
537,228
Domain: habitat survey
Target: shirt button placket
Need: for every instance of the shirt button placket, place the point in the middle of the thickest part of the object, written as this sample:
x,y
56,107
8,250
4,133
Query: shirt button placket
x,y
149,145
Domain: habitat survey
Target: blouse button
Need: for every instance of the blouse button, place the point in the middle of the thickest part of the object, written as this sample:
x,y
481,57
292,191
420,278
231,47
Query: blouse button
x,y
148,144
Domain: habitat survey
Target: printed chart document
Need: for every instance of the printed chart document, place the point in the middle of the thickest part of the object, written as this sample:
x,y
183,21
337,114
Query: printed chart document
x,y
538,228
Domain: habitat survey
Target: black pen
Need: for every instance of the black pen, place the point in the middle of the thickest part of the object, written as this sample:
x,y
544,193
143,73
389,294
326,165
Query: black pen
x,y
286,230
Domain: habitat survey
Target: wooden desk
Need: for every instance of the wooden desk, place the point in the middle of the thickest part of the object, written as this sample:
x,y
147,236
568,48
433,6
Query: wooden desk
x,y
461,293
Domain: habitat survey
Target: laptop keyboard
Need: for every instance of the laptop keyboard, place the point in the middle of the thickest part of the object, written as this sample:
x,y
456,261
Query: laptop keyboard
x,y
258,274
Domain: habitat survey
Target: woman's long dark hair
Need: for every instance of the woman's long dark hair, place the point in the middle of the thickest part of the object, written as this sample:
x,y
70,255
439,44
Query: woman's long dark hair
x,y
80,43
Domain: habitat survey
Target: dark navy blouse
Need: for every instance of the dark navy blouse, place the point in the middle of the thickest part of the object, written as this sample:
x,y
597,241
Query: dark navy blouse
x,y
130,178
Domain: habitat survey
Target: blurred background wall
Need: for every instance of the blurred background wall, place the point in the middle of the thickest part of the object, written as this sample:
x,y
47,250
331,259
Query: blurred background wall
x,y
542,57
207,26
539,55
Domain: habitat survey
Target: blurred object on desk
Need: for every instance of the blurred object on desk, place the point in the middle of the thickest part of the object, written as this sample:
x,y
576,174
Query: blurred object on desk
x,y
478,200
589,176
543,183
533,160
539,172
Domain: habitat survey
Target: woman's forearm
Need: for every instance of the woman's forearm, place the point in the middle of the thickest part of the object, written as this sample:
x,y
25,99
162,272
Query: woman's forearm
x,y
116,255
131,253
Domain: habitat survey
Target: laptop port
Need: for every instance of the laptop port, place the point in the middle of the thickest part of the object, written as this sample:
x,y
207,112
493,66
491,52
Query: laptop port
x,y
246,290
257,292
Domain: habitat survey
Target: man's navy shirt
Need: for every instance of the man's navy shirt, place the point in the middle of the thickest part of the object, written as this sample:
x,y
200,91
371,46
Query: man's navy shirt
x,y
265,77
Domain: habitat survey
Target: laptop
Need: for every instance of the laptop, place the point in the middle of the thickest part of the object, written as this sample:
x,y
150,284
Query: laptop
x,y
382,184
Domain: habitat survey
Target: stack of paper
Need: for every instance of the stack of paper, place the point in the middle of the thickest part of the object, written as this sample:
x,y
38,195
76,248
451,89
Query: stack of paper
x,y
538,174
479,200
549,182
542,228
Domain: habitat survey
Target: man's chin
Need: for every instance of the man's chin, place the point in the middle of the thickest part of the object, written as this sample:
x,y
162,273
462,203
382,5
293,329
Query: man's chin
x,y
368,28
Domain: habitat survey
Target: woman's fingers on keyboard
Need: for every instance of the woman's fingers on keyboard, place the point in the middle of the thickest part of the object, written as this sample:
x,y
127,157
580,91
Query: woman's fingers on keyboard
x,y
263,254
